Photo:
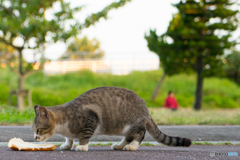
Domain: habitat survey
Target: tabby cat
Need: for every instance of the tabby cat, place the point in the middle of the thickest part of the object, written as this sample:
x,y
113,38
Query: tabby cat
x,y
101,111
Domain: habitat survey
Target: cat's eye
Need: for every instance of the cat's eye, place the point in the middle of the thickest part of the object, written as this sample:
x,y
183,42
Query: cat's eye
x,y
37,131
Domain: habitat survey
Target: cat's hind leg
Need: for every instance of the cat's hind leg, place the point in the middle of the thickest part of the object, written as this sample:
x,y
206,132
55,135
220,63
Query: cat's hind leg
x,y
135,136
68,144
121,145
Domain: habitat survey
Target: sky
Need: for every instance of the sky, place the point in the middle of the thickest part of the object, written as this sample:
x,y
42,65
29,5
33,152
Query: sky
x,y
123,32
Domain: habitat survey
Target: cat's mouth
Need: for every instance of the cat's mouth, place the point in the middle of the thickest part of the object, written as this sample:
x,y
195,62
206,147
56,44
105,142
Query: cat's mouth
x,y
44,139
37,138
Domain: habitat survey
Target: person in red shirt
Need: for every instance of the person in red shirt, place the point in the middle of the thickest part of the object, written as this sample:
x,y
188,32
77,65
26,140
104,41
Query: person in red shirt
x,y
171,102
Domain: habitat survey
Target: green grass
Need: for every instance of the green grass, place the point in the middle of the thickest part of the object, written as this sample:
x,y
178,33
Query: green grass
x,y
210,143
147,144
195,143
221,97
187,116
13,116
58,89
184,116
91,144
151,144
101,144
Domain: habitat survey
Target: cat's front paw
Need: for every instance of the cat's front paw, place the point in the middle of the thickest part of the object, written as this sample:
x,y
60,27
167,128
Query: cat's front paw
x,y
82,148
116,147
65,147
130,148
133,146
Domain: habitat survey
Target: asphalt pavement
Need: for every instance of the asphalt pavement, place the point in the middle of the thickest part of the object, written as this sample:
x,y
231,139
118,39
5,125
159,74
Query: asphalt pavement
x,y
195,133
196,152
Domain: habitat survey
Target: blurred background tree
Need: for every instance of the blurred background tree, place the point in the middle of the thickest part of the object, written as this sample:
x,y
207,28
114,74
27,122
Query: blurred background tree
x,y
24,25
168,62
197,38
232,66
83,48
7,53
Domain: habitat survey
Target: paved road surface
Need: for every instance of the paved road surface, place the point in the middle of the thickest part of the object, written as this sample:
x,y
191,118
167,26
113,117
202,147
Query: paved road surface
x,y
144,152
195,133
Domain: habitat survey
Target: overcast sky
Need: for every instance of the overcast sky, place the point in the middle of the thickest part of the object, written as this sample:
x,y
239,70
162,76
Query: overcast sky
x,y
124,30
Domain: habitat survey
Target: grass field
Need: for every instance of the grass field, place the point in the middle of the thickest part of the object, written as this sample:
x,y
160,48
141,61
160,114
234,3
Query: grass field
x,y
58,144
221,97
184,116
13,116
151,144
58,89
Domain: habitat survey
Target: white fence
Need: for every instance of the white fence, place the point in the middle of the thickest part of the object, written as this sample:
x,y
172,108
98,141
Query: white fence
x,y
118,67
121,63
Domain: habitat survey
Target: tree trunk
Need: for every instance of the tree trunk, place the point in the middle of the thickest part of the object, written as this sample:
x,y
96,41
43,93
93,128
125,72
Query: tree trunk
x,y
198,95
20,95
155,93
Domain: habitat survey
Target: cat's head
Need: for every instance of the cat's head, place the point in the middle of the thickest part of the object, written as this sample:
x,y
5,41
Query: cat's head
x,y
43,125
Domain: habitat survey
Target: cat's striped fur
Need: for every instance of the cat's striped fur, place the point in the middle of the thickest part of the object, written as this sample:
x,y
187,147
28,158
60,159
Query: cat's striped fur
x,y
106,111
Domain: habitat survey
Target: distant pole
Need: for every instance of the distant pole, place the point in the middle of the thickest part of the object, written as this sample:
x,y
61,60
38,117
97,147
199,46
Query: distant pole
x,y
155,93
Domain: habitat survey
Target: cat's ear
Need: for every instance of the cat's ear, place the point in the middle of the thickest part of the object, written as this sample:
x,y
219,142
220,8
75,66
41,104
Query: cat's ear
x,y
36,109
43,112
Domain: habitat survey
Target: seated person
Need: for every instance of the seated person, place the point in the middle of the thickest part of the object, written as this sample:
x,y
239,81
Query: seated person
x,y
171,102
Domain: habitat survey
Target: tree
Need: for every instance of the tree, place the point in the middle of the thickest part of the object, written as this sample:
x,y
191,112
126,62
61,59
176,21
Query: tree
x,y
7,53
83,48
169,63
26,21
196,39
232,66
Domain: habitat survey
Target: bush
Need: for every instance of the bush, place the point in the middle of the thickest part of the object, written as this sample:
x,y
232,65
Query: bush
x,y
10,115
232,66
59,89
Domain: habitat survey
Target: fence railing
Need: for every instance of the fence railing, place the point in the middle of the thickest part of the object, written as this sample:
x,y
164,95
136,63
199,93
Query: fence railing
x,y
119,67
121,63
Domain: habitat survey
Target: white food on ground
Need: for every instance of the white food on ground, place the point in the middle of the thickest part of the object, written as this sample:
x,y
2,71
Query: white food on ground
x,y
17,143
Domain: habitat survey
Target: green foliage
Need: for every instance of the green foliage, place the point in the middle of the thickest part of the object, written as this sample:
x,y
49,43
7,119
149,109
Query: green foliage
x,y
3,90
192,41
7,52
232,66
30,23
83,48
10,115
96,16
191,34
5,48
58,89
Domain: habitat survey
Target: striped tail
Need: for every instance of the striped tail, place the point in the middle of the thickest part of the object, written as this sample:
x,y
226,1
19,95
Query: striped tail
x,y
165,139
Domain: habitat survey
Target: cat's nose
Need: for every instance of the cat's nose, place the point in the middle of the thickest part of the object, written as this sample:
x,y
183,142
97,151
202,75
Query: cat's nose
x,y
35,136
